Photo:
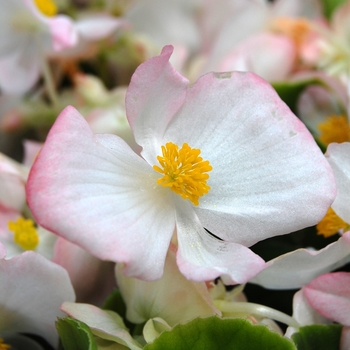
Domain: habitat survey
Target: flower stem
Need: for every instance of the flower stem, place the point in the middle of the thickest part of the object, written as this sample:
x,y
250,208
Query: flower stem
x,y
257,310
50,86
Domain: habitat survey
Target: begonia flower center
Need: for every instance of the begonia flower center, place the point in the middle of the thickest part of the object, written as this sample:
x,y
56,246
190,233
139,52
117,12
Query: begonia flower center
x,y
4,346
296,29
334,129
25,233
184,171
331,224
47,7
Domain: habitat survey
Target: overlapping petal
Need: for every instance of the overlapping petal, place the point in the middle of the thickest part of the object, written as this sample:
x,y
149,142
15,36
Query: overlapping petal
x,y
172,298
297,268
329,294
202,256
107,202
93,280
98,26
155,93
338,156
32,290
254,55
303,313
12,192
107,325
20,70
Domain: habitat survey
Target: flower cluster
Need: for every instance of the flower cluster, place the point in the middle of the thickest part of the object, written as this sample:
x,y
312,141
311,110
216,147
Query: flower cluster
x,y
167,167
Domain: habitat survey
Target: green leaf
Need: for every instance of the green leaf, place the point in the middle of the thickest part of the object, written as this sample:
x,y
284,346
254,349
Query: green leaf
x,y
214,333
318,337
329,6
75,335
289,91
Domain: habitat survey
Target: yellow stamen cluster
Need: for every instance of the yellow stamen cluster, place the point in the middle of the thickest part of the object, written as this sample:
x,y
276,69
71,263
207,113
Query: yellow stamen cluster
x,y
296,29
25,234
184,171
334,129
47,7
4,346
331,224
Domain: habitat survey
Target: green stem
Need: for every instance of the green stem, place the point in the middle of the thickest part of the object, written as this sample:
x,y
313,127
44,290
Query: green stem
x,y
49,83
255,309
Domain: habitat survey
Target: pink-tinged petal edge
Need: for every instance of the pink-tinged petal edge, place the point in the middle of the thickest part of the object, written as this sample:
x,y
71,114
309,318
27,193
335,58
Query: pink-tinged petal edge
x,y
329,294
64,34
203,257
155,94
81,189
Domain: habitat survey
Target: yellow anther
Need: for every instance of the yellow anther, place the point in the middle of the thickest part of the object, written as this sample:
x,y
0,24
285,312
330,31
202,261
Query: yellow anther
x,y
331,224
4,346
296,29
184,171
334,129
47,7
25,234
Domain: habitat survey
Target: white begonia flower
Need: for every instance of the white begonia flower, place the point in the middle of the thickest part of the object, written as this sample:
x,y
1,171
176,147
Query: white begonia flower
x,y
225,154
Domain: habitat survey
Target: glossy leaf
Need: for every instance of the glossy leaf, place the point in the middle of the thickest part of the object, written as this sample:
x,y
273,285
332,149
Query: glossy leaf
x,y
318,337
75,335
216,333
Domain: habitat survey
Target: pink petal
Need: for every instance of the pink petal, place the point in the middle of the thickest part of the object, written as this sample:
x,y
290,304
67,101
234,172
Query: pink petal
x,y
329,294
303,313
64,35
93,280
155,93
96,192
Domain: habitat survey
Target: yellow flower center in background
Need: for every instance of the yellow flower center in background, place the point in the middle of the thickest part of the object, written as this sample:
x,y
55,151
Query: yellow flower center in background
x,y
184,171
25,233
296,29
334,129
331,224
4,346
47,7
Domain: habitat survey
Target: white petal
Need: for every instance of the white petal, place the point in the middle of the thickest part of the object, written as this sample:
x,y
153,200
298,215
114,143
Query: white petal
x,y
32,289
96,192
338,156
202,257
155,93
105,324
297,268
172,298
266,165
